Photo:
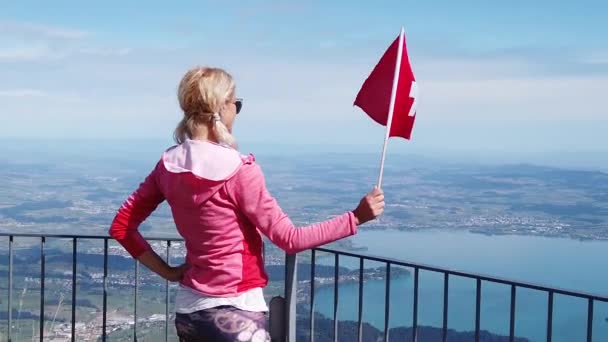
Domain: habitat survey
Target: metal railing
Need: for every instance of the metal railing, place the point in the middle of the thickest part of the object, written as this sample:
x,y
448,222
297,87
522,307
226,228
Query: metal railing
x,y
447,273
75,239
291,283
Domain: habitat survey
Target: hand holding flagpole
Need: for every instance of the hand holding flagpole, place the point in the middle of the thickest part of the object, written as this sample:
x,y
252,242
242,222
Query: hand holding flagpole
x,y
389,94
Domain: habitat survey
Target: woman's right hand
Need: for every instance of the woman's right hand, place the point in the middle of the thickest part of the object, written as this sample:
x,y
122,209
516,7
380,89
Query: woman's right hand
x,y
175,273
370,206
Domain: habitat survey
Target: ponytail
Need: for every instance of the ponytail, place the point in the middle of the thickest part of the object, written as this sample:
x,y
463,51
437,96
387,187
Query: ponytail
x,y
222,133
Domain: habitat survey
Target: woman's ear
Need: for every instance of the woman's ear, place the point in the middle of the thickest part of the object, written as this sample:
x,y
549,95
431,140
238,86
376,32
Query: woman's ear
x,y
224,107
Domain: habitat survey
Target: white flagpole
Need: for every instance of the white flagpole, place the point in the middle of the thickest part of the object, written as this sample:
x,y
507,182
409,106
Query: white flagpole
x,y
391,107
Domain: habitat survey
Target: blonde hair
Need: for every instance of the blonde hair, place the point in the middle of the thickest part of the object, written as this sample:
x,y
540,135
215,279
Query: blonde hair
x,y
202,92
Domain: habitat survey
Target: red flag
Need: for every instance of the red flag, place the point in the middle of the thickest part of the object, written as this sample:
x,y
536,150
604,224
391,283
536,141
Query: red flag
x,y
384,83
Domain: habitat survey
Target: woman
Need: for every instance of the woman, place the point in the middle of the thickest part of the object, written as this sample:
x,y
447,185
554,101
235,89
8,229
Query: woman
x,y
220,205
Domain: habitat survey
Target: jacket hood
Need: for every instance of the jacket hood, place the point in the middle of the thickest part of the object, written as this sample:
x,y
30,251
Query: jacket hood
x,y
203,159
203,167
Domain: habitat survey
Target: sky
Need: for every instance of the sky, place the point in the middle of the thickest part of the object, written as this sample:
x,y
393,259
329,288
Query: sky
x,y
496,79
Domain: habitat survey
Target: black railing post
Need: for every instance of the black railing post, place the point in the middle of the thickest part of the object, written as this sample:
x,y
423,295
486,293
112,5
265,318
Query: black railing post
x,y
42,271
387,306
550,317
477,310
74,259
135,292
360,311
291,283
168,255
312,295
512,315
415,313
336,281
590,320
10,287
105,290
444,332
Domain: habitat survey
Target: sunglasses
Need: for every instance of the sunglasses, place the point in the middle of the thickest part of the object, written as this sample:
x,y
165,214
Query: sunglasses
x,y
239,104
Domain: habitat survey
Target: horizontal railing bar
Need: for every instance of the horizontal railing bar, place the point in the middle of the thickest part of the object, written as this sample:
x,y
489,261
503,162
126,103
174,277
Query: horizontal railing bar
x,y
71,236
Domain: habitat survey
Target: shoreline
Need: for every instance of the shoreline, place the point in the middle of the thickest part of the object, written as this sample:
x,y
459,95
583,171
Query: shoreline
x,y
482,231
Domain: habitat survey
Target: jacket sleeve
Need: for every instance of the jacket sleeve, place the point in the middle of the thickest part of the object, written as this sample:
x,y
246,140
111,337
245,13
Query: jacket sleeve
x,y
133,212
248,189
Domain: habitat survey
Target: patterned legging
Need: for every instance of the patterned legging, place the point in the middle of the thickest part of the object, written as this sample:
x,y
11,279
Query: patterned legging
x,y
222,324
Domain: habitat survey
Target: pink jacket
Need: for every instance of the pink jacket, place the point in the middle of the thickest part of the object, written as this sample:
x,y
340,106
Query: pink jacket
x,y
220,205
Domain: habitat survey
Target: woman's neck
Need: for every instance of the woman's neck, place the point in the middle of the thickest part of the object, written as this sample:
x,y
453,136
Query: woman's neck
x,y
203,135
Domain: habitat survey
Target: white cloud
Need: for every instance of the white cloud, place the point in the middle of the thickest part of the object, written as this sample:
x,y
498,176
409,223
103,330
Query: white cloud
x,y
31,30
29,53
103,51
546,99
44,52
38,95
27,42
23,93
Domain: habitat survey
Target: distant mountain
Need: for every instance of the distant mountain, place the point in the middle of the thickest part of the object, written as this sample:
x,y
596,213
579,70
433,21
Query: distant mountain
x,y
347,332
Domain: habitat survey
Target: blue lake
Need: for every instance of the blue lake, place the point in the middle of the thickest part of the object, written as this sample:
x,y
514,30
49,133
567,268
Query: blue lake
x,y
557,262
